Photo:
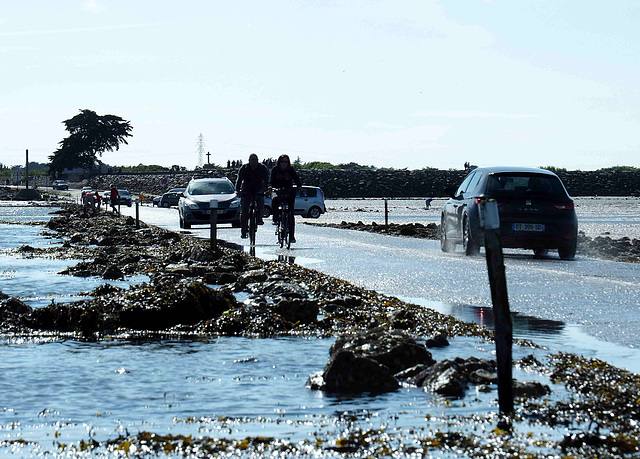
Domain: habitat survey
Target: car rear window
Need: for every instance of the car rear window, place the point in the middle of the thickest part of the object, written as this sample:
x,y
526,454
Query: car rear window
x,y
211,188
521,184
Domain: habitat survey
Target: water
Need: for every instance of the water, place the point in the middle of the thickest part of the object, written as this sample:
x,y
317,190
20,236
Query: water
x,y
55,391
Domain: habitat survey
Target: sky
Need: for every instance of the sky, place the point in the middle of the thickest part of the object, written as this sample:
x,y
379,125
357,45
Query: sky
x,y
401,84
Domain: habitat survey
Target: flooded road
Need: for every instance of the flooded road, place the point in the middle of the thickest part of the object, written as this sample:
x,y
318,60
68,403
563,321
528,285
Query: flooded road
x,y
595,299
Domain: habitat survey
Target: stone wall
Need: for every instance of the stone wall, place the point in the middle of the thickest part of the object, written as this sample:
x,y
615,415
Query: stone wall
x,y
338,183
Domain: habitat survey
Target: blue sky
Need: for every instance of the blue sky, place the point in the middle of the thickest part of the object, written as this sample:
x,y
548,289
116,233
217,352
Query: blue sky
x,y
403,84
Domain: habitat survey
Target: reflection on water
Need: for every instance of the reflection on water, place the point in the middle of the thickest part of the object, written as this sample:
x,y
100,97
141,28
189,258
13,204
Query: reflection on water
x,y
556,335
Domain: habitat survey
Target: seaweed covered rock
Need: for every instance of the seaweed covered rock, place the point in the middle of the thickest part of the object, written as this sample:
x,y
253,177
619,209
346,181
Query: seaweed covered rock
x,y
366,362
450,378
148,306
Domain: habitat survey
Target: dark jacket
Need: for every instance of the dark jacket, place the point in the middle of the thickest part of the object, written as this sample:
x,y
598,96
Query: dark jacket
x,y
284,178
252,181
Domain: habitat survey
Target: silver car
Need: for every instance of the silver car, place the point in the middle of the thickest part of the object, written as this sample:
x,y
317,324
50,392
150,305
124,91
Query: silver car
x,y
194,205
309,203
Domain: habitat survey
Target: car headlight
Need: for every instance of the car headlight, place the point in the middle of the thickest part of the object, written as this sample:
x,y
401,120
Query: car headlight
x,y
191,204
235,203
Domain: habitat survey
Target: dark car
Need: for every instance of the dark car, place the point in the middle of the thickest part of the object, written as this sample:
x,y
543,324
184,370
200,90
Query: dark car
x,y
60,185
194,206
534,209
125,198
169,199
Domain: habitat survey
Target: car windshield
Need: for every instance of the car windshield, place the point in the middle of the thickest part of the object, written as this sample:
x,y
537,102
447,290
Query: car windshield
x,y
123,193
201,188
521,184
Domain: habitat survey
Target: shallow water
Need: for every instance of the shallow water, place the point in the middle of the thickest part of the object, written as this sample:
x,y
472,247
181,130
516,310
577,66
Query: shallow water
x,y
62,391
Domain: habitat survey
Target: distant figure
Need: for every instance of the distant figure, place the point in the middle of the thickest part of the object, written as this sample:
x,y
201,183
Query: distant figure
x,y
428,203
98,200
114,197
88,202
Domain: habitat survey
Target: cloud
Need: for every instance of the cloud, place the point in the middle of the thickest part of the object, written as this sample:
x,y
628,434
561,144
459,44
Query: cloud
x,y
93,6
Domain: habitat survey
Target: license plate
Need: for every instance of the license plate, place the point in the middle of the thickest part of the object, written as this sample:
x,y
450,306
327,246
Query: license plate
x,y
208,211
528,227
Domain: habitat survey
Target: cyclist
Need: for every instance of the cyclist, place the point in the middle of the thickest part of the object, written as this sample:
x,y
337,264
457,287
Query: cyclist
x,y
283,175
252,179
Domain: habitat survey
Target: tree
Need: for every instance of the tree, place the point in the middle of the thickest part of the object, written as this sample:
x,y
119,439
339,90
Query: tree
x,y
90,135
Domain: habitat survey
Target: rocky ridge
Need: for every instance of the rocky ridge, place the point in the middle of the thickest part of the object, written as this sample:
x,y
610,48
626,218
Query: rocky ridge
x,y
378,183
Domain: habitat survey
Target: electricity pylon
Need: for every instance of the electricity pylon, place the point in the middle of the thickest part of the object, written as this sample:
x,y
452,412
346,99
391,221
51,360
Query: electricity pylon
x,y
200,150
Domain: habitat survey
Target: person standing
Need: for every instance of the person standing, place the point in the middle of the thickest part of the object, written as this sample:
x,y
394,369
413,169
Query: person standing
x,y
283,175
114,198
250,184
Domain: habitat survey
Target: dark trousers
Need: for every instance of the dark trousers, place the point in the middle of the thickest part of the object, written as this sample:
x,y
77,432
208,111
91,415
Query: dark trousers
x,y
245,202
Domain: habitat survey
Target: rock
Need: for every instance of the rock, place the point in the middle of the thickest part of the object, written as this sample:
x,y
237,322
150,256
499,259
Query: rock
x,y
531,389
298,311
450,377
14,305
396,350
482,376
438,340
112,272
347,372
278,289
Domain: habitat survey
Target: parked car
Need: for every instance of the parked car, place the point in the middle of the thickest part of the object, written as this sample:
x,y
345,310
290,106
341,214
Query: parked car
x,y
194,205
309,203
169,199
534,209
125,198
60,185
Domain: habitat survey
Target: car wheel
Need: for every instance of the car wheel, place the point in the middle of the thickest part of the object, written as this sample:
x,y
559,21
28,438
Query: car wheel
x,y
266,212
568,252
315,212
540,252
445,244
236,224
470,246
165,204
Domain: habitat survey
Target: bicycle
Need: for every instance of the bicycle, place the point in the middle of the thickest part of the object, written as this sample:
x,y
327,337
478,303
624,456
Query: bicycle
x,y
253,219
282,230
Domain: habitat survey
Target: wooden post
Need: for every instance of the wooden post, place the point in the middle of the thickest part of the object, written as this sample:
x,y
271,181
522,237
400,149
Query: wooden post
x,y
213,208
490,222
386,214
27,170
137,214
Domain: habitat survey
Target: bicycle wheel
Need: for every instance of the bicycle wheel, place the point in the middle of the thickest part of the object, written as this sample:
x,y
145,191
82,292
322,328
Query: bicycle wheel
x,y
281,229
286,237
253,225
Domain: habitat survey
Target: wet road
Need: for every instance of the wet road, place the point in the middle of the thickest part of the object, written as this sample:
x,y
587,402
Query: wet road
x,y
602,297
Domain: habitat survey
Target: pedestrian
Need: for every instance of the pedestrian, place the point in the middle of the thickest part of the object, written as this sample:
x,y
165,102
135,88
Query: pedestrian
x,y
114,198
252,179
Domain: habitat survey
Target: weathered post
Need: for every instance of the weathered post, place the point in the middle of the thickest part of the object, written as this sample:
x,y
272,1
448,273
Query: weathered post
x,y
213,208
490,222
386,214
137,214
27,187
